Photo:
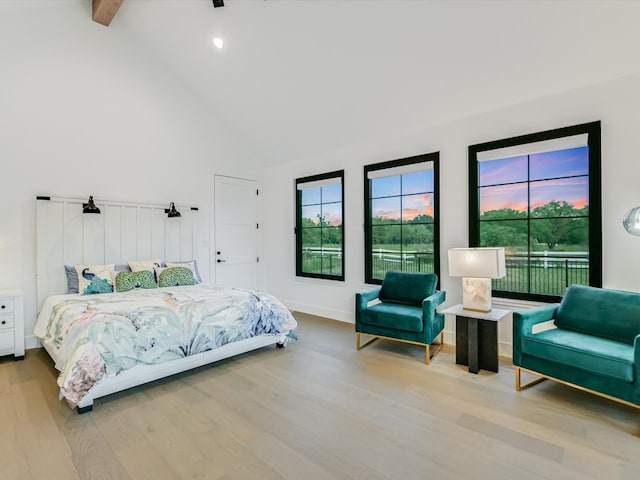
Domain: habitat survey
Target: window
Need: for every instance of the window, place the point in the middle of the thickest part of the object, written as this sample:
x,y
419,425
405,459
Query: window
x,y
538,196
319,226
401,216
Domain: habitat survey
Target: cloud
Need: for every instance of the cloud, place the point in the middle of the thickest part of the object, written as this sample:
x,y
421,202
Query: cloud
x,y
333,218
413,206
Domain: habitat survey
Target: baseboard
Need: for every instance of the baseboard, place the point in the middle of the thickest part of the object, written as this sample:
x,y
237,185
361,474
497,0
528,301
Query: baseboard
x,y
31,341
333,314
505,349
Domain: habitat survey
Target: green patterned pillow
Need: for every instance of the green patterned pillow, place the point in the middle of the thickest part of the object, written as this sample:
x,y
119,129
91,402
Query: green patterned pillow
x,y
130,280
174,276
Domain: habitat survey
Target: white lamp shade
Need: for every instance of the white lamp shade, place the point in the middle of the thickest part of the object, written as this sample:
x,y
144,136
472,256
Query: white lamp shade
x,y
481,262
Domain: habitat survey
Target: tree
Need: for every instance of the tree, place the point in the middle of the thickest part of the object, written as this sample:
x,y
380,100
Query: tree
x,y
504,214
559,222
505,233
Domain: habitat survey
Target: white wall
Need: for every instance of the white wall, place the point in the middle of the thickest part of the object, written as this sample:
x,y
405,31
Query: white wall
x,y
85,109
615,103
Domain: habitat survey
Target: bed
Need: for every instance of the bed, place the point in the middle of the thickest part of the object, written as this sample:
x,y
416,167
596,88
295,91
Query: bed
x,y
107,342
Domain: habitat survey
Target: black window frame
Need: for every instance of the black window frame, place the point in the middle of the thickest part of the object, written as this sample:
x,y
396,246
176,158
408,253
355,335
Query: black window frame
x,y
298,229
368,236
593,131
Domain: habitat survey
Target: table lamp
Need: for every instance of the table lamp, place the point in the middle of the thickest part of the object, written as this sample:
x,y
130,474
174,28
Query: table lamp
x,y
477,266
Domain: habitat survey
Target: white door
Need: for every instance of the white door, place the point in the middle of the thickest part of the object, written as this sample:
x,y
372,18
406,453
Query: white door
x,y
235,255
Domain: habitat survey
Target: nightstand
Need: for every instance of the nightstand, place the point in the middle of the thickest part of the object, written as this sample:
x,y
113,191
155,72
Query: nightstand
x,y
12,323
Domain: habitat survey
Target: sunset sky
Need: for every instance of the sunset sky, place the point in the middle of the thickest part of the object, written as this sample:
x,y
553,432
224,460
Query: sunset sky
x,y
411,206
417,196
559,175
498,176
323,202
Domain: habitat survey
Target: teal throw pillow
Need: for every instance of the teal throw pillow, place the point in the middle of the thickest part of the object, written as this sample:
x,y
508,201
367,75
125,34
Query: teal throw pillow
x,y
98,285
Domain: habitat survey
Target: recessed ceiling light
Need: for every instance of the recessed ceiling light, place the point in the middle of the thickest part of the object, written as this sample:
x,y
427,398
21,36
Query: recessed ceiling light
x,y
217,41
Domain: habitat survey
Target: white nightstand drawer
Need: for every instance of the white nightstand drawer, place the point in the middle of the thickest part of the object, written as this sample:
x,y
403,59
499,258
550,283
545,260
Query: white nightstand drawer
x,y
12,323
6,321
6,305
7,341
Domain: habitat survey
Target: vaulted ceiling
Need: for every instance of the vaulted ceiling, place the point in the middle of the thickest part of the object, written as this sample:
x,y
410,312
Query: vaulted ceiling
x,y
302,77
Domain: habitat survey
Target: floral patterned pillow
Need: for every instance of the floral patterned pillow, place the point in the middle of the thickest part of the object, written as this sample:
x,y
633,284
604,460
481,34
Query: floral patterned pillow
x,y
94,278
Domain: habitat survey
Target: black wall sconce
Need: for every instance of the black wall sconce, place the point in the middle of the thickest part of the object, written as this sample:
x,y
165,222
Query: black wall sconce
x,y
172,212
90,207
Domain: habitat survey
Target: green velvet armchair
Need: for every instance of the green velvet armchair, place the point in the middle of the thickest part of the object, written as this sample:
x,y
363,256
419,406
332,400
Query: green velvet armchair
x,y
406,311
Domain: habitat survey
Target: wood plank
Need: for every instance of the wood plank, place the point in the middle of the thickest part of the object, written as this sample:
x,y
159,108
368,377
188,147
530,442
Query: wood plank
x,y
103,11
321,408
44,445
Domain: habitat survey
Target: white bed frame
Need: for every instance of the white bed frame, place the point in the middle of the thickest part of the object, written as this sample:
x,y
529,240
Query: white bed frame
x,y
122,232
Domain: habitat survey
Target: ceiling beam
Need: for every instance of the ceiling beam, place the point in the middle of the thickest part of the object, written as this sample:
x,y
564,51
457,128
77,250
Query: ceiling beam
x,y
103,11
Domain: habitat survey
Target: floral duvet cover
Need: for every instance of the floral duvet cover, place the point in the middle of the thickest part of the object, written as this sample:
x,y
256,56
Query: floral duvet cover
x,y
95,336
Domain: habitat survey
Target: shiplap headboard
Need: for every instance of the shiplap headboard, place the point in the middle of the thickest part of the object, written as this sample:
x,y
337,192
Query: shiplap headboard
x,y
121,232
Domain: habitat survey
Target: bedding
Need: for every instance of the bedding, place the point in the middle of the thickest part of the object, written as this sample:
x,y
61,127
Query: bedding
x,y
98,336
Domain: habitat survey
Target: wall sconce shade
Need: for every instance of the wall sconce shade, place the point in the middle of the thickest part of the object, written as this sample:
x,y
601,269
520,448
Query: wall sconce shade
x,y
172,212
631,221
477,266
90,206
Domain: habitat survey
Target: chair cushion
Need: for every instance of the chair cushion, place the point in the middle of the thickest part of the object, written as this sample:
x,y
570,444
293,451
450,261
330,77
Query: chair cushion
x,y
407,288
394,317
586,352
606,313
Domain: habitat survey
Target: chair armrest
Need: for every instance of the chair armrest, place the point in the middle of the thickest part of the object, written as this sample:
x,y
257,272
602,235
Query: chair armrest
x,y
363,299
524,321
429,306
430,303
636,359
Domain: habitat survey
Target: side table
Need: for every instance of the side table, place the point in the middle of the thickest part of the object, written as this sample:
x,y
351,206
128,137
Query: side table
x,y
477,337
12,323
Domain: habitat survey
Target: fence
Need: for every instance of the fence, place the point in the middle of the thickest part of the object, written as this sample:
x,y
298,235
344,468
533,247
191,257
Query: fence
x,y
407,261
323,260
547,273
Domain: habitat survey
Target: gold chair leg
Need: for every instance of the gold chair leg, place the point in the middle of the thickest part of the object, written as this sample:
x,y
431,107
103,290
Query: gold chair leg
x,y
439,346
520,386
360,347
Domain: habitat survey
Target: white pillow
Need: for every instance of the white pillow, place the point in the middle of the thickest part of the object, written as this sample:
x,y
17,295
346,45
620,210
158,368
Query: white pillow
x,y
86,273
139,265
158,271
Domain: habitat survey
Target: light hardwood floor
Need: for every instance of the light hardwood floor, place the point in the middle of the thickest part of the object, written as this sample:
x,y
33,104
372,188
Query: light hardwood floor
x,y
316,410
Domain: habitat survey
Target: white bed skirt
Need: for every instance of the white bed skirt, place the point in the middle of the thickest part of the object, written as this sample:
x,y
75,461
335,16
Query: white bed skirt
x,y
141,374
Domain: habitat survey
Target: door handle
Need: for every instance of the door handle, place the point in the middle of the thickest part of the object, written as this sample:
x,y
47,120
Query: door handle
x,y
220,261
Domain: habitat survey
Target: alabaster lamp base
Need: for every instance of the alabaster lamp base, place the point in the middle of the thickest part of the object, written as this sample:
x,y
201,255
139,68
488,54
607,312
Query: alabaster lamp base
x,y
476,294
